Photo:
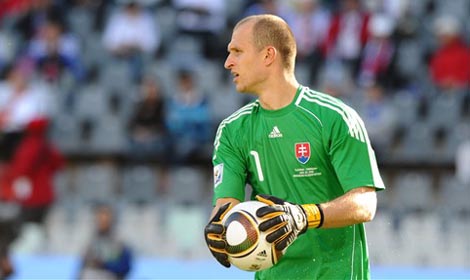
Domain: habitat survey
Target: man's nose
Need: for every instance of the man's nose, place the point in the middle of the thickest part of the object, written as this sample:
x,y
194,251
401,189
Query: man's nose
x,y
228,63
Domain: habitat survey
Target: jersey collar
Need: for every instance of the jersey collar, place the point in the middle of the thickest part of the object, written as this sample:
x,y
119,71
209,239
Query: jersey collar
x,y
283,111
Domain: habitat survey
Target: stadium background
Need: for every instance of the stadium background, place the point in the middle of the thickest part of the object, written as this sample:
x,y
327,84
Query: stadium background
x,y
423,219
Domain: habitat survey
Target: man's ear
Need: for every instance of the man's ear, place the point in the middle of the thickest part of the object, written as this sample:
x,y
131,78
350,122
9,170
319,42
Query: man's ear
x,y
270,55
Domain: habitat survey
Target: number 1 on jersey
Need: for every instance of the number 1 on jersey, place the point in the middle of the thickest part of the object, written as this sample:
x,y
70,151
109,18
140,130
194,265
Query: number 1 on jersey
x,y
258,165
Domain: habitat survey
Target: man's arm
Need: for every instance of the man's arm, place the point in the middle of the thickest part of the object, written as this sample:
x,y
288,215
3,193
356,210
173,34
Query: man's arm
x,y
356,206
285,221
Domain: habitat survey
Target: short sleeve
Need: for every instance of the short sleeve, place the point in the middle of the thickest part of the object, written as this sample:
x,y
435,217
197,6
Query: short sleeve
x,y
229,168
350,151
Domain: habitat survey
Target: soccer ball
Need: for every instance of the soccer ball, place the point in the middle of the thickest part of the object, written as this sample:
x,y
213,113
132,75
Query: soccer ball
x,y
247,247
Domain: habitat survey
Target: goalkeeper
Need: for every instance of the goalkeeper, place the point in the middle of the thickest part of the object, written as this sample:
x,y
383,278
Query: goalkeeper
x,y
304,153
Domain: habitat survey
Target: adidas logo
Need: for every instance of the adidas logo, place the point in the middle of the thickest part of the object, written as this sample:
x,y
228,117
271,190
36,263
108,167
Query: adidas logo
x,y
262,254
276,133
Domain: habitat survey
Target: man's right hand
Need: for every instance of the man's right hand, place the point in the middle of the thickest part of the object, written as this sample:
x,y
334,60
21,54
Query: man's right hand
x,y
213,234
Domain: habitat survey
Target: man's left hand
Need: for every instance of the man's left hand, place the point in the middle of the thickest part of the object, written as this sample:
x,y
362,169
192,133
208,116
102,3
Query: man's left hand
x,y
284,221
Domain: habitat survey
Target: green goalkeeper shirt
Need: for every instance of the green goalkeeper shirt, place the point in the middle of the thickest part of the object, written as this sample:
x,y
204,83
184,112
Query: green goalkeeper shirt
x,y
311,151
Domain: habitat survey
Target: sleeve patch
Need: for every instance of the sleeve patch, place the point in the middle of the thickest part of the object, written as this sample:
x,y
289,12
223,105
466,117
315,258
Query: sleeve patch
x,y
218,174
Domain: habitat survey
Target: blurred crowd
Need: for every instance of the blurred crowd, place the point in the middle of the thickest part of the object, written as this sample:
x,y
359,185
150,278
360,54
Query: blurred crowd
x,y
157,66
142,81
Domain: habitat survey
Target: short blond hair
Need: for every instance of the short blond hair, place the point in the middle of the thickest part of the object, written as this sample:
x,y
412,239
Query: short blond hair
x,y
271,30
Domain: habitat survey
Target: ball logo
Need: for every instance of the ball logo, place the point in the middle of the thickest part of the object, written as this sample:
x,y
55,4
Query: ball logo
x,y
302,152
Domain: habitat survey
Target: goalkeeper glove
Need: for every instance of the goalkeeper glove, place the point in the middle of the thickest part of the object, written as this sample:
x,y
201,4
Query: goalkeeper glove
x,y
213,233
286,221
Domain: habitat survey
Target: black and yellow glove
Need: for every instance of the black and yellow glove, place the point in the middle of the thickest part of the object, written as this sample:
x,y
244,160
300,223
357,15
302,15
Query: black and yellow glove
x,y
285,221
213,234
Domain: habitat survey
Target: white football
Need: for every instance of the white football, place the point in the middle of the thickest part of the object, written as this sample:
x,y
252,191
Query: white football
x,y
247,247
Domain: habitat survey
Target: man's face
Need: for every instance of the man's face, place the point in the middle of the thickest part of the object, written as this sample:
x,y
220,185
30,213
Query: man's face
x,y
244,61
104,220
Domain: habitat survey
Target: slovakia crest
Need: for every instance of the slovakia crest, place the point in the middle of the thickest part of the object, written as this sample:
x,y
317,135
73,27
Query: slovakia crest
x,y
302,152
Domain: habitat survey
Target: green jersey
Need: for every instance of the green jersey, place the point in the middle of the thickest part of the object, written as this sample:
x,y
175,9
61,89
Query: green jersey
x,y
311,151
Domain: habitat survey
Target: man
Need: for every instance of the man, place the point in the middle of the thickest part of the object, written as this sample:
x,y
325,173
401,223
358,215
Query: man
x,y
106,257
308,151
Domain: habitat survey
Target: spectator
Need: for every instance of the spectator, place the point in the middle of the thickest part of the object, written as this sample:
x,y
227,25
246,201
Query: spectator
x,y
7,51
37,13
148,135
130,34
273,7
189,121
205,20
31,172
21,101
309,24
225,102
106,257
9,213
462,158
449,66
347,34
95,11
10,8
336,81
378,52
56,52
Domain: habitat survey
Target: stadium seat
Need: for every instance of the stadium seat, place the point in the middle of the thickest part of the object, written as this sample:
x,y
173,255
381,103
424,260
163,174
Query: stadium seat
x,y
457,134
457,8
10,42
303,74
121,102
65,134
188,185
165,18
209,77
139,184
453,196
419,248
184,226
384,198
379,236
115,74
185,51
95,54
407,104
66,235
448,103
80,22
90,102
164,71
234,9
146,218
417,144
63,181
96,183
410,58
414,191
109,136
223,102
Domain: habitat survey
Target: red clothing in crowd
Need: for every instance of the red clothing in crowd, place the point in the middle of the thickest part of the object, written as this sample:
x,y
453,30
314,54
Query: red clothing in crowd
x,y
14,6
450,65
336,26
29,176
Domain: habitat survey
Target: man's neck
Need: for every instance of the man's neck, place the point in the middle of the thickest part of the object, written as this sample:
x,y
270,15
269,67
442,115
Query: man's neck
x,y
278,94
